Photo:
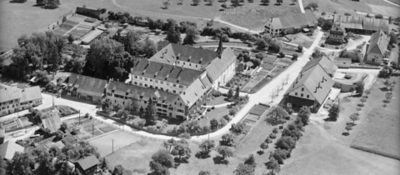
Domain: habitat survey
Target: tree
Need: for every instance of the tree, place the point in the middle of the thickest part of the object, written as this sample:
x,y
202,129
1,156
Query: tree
x,y
225,152
166,4
317,54
227,140
202,172
63,127
230,94
3,167
244,169
206,146
311,6
118,170
182,150
250,160
21,164
286,143
265,2
279,155
235,3
360,88
393,38
378,16
334,112
277,115
279,2
304,114
173,34
195,2
292,131
214,124
354,117
191,36
150,114
275,46
273,165
161,161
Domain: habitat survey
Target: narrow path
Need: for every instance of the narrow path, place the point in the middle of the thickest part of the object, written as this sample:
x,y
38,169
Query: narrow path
x,y
301,6
244,29
392,3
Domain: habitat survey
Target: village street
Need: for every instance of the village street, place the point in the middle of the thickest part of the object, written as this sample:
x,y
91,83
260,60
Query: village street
x,y
268,94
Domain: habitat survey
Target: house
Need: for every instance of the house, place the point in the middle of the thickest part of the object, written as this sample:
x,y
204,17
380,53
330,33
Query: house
x,y
8,149
85,87
377,49
87,165
311,87
290,23
324,62
93,13
51,120
14,99
336,35
361,24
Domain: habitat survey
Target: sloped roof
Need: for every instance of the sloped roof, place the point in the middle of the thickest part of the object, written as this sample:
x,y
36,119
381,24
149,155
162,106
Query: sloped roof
x,y
142,91
219,65
165,72
315,80
327,64
291,20
51,120
172,52
31,93
8,93
8,149
362,22
378,43
195,91
86,84
88,162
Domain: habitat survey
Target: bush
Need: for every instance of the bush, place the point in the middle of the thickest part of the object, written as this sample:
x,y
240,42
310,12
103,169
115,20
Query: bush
x,y
268,140
272,136
232,111
264,145
275,130
260,152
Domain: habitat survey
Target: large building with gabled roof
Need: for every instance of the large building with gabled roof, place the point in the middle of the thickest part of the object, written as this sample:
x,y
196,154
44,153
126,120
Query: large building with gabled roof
x,y
312,86
290,23
377,48
85,87
14,99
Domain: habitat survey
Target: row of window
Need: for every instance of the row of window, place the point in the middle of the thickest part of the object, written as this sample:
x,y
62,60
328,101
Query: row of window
x,y
158,81
301,95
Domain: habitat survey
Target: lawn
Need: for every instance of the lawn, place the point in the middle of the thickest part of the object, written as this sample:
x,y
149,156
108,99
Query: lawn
x,y
379,132
216,113
217,101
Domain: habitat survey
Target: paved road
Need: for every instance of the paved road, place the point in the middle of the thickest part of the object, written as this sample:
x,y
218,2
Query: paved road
x,y
244,29
301,6
264,95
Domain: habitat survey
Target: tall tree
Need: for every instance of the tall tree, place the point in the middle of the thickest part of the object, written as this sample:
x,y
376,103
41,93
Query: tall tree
x,y
173,33
150,114
191,36
161,161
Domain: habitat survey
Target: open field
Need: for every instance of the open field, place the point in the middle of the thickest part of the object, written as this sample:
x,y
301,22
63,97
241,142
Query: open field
x,y
319,153
346,6
89,128
113,141
379,133
135,153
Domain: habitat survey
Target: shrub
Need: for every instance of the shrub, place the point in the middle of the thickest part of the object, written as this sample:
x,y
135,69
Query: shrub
x,y
275,130
360,104
348,127
268,140
272,136
232,111
260,152
264,145
345,133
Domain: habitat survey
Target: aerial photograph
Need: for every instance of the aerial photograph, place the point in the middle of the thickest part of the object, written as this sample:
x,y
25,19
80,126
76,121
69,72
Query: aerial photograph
x,y
199,87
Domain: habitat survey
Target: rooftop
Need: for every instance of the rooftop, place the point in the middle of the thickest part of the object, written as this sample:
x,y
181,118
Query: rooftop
x,y
88,162
165,72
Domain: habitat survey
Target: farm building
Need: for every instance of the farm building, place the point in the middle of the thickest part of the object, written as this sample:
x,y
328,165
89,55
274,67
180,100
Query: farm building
x,y
361,24
290,23
92,35
87,165
377,49
312,86
93,13
86,88
51,120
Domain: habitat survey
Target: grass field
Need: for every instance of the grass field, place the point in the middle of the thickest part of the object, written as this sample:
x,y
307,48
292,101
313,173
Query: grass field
x,y
379,133
90,128
113,141
135,153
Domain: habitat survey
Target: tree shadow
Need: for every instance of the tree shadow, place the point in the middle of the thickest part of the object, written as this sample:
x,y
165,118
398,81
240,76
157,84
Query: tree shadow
x,y
17,1
220,160
329,119
202,155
